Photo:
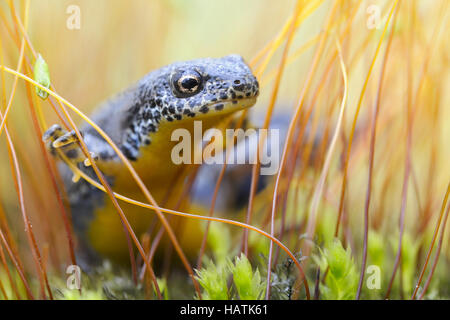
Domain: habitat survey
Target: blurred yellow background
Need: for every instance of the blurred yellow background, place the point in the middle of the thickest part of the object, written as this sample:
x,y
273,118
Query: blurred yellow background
x,y
118,42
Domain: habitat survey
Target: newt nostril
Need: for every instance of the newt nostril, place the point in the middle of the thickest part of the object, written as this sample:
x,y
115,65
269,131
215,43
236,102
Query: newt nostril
x,y
238,85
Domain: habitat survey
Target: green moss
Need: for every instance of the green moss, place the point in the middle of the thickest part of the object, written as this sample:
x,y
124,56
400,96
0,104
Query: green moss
x,y
342,278
219,240
86,294
408,266
376,249
213,280
248,284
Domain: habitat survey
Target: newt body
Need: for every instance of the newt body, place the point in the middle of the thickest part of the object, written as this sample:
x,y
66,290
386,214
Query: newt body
x,y
140,121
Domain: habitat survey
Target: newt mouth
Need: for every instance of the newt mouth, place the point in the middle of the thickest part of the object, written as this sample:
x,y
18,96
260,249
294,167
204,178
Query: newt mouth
x,y
227,106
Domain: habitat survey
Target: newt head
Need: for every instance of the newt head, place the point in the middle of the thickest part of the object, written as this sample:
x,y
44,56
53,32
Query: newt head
x,y
182,92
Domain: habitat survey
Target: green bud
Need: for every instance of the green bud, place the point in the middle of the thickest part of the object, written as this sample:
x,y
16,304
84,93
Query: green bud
x,y
41,76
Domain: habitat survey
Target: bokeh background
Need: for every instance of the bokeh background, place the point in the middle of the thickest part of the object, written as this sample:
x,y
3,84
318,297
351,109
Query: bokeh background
x,y
118,42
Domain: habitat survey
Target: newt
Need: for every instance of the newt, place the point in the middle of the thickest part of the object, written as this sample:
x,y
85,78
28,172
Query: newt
x,y
140,121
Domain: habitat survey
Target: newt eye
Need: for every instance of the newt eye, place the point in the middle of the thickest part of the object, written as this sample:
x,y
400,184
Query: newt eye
x,y
186,84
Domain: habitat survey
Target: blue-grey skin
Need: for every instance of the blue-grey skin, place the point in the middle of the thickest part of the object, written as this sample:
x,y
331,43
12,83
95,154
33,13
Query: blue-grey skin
x,y
235,185
182,90
131,116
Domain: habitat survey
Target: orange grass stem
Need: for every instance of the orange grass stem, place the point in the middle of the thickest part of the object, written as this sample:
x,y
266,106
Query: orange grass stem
x,y
150,206
436,230
436,257
288,142
358,108
372,152
185,215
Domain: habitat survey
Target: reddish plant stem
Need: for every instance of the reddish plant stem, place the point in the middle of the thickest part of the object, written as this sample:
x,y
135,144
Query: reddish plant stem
x,y
372,155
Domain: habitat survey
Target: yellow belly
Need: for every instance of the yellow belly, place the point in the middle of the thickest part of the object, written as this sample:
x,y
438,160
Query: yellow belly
x,y
107,236
164,180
